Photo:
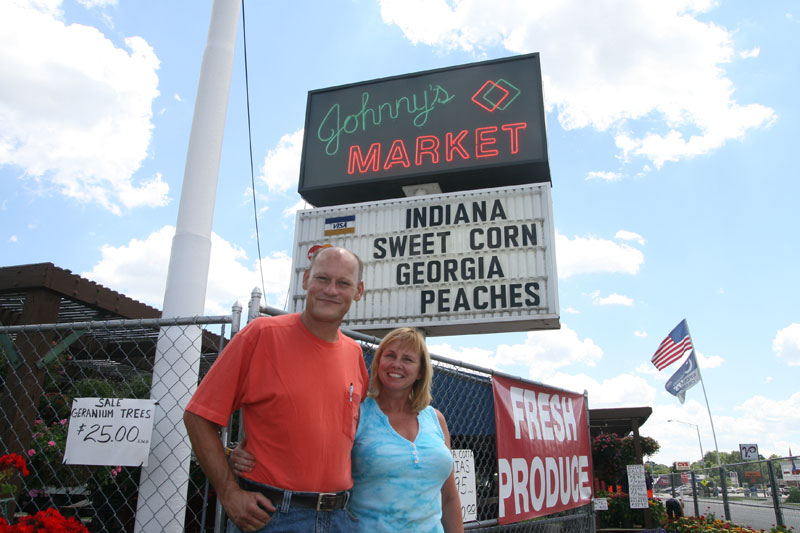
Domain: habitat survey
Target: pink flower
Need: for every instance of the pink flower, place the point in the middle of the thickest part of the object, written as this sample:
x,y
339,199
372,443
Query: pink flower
x,y
63,421
31,452
51,443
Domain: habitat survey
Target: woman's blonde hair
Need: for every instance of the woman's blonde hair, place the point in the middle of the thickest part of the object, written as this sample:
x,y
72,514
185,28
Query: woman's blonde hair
x,y
412,339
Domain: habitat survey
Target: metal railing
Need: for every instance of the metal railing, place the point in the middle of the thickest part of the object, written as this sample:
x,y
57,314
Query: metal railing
x,y
752,493
44,367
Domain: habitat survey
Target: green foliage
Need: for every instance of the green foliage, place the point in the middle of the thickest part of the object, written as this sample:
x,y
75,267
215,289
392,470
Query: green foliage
x,y
691,524
620,514
46,455
794,495
607,457
138,387
93,388
648,445
611,453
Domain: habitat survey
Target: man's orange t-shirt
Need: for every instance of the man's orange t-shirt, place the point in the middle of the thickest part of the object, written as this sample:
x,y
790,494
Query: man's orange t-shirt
x,y
299,396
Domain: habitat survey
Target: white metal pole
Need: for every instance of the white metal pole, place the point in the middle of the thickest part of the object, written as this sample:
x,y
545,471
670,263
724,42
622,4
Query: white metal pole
x,y
702,455
708,408
163,484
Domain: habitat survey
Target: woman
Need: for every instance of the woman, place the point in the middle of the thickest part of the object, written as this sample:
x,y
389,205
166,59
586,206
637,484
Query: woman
x,y
402,466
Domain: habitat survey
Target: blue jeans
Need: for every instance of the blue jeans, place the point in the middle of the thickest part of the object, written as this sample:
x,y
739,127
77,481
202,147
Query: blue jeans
x,y
288,519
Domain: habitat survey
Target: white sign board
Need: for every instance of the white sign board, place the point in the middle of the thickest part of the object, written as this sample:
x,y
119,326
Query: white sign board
x,y
600,504
464,472
790,470
749,452
637,487
480,261
681,465
109,431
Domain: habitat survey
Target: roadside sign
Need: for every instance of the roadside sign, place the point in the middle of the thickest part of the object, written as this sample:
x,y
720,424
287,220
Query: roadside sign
x,y
681,465
749,452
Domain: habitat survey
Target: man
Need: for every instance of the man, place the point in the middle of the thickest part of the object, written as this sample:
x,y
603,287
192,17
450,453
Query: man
x,y
299,382
674,509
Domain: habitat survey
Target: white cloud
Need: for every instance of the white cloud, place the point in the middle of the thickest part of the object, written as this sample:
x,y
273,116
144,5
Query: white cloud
x,y
540,355
641,334
747,54
623,390
293,209
708,361
630,236
652,72
13,238
605,176
786,344
767,418
586,255
139,270
97,3
150,193
282,164
647,368
177,97
75,109
572,311
611,299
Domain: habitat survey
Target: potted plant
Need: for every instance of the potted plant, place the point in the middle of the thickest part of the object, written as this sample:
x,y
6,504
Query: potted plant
x,y
11,465
114,492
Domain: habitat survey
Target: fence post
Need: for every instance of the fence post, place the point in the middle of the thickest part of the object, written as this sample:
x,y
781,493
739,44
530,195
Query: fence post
x,y
776,495
694,494
236,318
254,307
725,505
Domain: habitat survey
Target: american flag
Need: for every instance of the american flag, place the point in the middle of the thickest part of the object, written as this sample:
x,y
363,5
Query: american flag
x,y
673,347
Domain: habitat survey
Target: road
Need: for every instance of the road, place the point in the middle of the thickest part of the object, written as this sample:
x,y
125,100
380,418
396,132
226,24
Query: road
x,y
757,513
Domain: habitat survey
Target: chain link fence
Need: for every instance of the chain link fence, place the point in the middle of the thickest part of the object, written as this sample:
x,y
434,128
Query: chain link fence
x,y
760,494
44,367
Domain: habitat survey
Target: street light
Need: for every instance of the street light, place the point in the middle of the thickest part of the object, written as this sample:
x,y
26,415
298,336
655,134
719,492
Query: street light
x,y
702,455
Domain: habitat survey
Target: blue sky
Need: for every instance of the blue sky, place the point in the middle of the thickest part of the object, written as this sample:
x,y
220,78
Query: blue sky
x,y
672,133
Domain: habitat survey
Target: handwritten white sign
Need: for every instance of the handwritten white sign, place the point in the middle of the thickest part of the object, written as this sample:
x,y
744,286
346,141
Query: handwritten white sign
x,y
637,487
109,431
464,472
600,504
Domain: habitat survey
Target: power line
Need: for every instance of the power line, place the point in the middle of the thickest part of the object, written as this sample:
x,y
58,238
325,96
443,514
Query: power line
x,y
250,145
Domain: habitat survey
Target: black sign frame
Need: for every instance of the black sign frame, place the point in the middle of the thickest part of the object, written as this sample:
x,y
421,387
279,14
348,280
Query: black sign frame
x,y
467,127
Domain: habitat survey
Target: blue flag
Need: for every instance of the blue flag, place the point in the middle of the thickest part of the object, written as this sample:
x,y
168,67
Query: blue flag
x,y
687,376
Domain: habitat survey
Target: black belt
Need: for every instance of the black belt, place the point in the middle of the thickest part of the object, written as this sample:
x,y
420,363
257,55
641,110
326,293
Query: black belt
x,y
320,501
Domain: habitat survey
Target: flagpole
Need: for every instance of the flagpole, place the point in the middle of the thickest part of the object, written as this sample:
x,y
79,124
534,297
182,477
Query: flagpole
x,y
708,408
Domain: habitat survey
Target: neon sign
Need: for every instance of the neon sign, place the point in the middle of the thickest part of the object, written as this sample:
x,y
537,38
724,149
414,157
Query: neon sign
x,y
468,127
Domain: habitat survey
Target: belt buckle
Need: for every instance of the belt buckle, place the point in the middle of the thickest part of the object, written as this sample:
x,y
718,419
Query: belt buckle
x,y
323,497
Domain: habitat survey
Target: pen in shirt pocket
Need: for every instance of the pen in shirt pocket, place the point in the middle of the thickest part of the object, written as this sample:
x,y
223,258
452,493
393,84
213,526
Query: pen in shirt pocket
x,y
351,392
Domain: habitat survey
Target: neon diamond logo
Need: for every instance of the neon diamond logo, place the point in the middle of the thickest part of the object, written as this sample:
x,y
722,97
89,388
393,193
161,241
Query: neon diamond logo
x,y
496,95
